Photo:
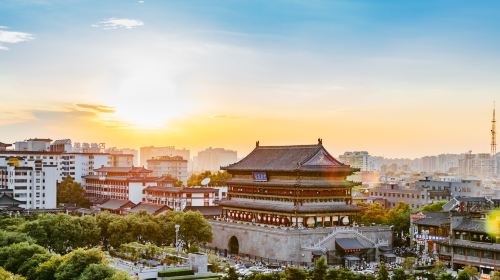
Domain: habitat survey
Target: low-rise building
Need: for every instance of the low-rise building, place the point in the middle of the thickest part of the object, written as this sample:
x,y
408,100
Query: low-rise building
x,y
123,183
470,244
180,198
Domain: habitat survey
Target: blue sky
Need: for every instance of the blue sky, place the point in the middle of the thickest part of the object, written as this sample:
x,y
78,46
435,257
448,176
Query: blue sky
x,y
361,71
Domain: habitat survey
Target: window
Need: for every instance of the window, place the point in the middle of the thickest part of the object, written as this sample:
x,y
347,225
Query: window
x,y
459,251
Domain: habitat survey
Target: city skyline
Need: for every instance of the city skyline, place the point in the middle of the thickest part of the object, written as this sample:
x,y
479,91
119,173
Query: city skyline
x,y
394,80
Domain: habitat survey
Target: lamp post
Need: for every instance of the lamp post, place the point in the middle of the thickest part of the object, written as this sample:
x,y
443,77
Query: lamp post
x,y
177,227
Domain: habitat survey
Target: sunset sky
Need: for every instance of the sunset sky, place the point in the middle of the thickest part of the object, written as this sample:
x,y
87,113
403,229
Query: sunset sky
x,y
395,78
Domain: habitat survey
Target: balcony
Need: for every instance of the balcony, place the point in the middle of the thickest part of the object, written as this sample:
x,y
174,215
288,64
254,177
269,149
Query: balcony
x,y
475,260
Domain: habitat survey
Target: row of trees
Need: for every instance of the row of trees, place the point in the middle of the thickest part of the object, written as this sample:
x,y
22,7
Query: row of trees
x,y
62,233
25,260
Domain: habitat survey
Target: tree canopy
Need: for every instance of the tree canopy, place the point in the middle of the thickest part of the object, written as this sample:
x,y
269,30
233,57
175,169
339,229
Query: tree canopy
x,y
216,179
398,217
434,207
71,192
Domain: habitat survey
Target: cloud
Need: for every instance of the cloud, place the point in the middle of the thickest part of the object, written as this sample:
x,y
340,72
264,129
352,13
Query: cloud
x,y
97,108
116,23
12,37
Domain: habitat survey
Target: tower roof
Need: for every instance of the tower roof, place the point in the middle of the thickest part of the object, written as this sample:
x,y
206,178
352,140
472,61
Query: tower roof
x,y
288,158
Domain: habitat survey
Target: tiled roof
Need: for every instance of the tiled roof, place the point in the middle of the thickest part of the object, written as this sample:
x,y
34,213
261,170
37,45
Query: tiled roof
x,y
349,244
288,208
205,210
128,169
6,199
287,158
149,208
434,219
476,245
40,139
290,183
473,225
114,204
5,145
180,190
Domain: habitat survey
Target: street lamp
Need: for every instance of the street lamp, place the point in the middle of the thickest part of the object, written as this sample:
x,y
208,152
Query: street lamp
x,y
177,227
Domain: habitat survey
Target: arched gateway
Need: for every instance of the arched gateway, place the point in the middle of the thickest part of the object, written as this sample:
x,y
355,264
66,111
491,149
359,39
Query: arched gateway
x,y
233,245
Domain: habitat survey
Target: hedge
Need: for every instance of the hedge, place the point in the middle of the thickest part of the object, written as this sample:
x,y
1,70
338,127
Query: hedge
x,y
177,272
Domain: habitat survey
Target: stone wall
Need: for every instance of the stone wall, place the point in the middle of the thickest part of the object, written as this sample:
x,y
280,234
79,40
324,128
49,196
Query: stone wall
x,y
276,244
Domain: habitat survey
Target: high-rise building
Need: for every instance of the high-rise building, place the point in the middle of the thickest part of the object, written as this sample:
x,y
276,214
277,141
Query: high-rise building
x,y
477,165
152,152
123,156
361,160
30,181
212,159
175,166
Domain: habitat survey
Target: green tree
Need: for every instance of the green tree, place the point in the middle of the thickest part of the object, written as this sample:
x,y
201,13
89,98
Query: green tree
x,y
12,224
28,268
469,272
293,273
71,192
373,213
438,268
463,275
61,233
496,275
5,275
216,179
399,274
194,228
177,183
104,219
445,276
383,274
97,272
320,268
433,207
399,217
11,237
261,276
74,263
339,274
47,270
409,263
12,257
120,275
232,274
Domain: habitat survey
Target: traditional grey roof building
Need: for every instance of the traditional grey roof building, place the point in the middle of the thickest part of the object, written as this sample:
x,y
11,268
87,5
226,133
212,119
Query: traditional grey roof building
x,y
299,185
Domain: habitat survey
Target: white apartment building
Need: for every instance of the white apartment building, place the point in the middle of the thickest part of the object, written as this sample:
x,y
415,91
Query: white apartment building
x,y
212,159
175,166
79,165
75,165
30,181
34,144
152,152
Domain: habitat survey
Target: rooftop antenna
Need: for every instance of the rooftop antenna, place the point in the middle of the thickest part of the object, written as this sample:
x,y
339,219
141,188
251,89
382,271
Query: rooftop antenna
x,y
493,133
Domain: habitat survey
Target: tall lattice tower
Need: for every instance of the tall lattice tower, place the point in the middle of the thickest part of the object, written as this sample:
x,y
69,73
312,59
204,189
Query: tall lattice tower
x,y
493,134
